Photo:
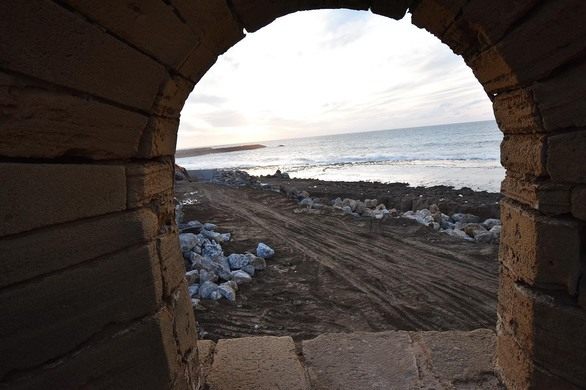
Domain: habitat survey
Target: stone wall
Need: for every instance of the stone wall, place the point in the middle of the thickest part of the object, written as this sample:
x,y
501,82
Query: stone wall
x,y
91,284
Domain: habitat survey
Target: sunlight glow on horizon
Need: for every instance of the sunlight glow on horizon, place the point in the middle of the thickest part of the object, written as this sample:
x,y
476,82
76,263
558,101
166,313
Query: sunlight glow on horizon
x,y
325,72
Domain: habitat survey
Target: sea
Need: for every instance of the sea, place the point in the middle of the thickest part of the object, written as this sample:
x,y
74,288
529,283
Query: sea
x,y
458,155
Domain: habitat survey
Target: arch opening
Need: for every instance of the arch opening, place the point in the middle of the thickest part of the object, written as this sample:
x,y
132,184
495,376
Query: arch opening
x,y
82,123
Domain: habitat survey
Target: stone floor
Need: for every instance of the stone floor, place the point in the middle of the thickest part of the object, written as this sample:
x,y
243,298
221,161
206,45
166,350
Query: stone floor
x,y
385,360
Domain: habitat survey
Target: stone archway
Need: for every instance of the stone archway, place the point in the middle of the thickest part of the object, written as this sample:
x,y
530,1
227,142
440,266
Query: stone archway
x,y
91,286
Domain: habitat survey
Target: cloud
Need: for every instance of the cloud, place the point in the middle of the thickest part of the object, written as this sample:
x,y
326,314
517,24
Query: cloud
x,y
321,72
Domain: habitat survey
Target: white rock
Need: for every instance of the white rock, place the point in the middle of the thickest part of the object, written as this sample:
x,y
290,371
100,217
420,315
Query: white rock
x,y
209,226
237,261
264,251
187,241
227,292
206,289
193,290
241,277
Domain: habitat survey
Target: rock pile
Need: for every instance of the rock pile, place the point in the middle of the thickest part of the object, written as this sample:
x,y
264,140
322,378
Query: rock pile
x,y
234,178
465,226
210,274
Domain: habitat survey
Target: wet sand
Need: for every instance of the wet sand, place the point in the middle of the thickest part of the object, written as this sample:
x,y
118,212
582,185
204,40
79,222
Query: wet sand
x,y
335,273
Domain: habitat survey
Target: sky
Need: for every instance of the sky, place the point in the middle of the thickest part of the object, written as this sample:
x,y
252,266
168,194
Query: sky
x,y
327,72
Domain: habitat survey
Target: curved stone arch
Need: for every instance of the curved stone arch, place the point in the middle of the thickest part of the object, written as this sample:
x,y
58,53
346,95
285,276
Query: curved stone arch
x,y
90,98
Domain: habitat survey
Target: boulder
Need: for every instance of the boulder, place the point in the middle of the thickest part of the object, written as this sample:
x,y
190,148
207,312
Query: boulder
x,y
206,289
347,209
491,222
337,203
258,263
474,229
187,241
306,202
486,237
211,249
465,218
227,292
370,203
196,260
350,203
208,276
211,235
264,251
209,226
459,234
249,269
237,261
360,207
192,277
241,277
193,290
226,237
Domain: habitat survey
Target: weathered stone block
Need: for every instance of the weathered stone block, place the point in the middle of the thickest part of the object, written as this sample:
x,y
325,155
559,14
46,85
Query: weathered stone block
x,y
140,355
395,9
42,123
47,250
481,24
531,50
184,322
566,157
579,202
159,138
542,251
148,181
212,22
37,195
561,99
150,25
172,263
97,63
524,154
435,15
172,97
331,361
520,372
60,312
256,363
516,112
256,14
540,324
545,196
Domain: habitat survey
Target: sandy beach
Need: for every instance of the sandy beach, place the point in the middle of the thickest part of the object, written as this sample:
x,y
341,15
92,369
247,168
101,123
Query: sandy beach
x,y
334,273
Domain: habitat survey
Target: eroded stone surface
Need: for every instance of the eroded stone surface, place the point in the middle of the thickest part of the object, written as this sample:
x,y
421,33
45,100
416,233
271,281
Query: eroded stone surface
x,y
261,363
361,361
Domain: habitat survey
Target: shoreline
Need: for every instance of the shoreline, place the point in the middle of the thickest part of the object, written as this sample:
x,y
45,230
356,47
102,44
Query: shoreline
x,y
400,196
195,152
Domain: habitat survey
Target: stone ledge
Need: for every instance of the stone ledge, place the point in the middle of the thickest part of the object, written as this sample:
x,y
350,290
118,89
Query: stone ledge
x,y
260,363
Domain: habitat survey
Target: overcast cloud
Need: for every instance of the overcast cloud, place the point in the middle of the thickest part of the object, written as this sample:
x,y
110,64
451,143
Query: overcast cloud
x,y
326,72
